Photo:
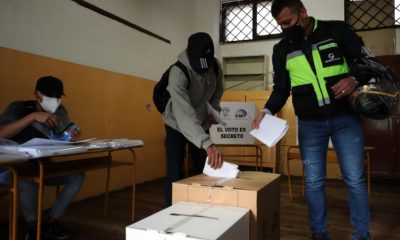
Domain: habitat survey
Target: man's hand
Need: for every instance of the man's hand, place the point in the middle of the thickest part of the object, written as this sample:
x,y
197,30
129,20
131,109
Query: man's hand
x,y
75,134
257,120
214,157
344,87
47,118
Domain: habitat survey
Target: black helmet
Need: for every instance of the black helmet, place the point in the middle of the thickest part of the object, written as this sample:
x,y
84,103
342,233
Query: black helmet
x,y
379,95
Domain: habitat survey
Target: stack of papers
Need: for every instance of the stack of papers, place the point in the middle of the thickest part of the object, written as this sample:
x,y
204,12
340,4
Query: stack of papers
x,y
271,130
39,147
227,170
5,157
50,142
115,143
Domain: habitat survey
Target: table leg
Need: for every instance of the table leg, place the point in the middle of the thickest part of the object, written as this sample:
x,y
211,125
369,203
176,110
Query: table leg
x,y
107,184
133,183
40,197
14,202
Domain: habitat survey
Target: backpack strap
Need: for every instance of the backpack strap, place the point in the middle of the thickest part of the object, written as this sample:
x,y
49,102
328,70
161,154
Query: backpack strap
x,y
215,68
183,68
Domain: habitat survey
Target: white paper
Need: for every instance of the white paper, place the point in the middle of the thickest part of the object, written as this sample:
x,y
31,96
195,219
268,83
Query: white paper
x,y
42,151
12,156
227,170
46,142
215,114
115,143
271,130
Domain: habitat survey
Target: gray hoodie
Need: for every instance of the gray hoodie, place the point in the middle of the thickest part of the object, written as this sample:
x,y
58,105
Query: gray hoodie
x,y
186,111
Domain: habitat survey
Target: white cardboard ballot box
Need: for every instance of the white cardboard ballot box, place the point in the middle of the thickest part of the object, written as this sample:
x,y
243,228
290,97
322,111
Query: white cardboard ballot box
x,y
257,191
238,117
192,221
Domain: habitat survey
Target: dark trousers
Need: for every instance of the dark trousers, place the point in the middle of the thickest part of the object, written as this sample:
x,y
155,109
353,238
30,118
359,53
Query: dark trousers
x,y
176,144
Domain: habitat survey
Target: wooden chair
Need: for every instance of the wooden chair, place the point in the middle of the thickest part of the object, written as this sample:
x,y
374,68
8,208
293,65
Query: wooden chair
x,y
293,153
243,154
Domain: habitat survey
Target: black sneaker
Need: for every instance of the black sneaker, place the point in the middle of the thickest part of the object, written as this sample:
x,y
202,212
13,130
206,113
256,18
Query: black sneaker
x,y
31,233
55,230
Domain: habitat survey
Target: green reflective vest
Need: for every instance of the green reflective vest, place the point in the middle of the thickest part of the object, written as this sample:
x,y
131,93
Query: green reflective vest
x,y
328,62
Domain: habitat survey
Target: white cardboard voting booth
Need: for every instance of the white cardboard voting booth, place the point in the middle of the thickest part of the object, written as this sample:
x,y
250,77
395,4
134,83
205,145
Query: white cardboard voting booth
x,y
193,221
238,117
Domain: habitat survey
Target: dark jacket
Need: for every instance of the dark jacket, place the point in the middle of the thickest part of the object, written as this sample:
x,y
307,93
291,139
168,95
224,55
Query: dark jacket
x,y
19,109
349,47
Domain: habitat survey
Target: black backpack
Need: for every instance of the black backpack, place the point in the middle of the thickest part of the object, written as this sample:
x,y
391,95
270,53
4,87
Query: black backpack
x,y
160,93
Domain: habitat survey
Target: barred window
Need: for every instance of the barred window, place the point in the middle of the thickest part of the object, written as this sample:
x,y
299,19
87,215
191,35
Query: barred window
x,y
372,14
247,21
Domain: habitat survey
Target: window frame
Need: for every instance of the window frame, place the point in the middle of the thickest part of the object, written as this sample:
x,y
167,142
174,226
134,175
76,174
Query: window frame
x,y
253,4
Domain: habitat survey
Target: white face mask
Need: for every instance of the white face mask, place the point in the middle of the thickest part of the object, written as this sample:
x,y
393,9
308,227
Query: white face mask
x,y
50,104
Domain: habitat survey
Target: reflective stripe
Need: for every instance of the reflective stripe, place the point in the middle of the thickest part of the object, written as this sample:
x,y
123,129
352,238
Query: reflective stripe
x,y
315,45
329,45
294,54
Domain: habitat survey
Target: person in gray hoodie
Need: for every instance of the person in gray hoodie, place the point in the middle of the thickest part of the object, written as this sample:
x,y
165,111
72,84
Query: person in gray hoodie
x,y
186,118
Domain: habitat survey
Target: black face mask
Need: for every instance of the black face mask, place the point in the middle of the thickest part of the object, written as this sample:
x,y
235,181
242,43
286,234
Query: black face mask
x,y
295,32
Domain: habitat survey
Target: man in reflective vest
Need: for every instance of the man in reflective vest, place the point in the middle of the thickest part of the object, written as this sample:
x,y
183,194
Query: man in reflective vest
x,y
312,62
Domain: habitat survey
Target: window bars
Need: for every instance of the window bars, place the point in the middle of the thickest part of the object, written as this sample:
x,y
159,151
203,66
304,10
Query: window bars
x,y
365,15
247,21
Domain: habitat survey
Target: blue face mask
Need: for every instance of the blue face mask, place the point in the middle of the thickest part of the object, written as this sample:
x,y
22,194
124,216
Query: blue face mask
x,y
295,32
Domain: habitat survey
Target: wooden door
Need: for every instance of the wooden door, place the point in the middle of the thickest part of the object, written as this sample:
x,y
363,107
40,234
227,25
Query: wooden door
x,y
384,135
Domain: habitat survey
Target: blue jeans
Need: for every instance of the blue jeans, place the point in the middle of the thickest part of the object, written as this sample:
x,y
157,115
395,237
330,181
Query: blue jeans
x,y
347,138
176,144
28,194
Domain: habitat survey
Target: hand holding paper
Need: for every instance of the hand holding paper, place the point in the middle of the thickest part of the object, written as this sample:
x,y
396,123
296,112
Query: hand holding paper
x,y
271,130
228,170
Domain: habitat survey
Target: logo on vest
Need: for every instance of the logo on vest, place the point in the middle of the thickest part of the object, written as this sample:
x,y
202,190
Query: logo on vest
x,y
331,58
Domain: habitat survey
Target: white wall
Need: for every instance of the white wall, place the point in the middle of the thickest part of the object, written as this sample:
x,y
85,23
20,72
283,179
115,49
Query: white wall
x,y
64,30
207,20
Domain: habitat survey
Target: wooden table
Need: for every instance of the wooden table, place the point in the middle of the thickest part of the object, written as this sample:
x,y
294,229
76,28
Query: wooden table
x,y
38,169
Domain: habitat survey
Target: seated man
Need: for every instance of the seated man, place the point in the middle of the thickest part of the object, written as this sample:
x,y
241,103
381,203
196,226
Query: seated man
x,y
44,117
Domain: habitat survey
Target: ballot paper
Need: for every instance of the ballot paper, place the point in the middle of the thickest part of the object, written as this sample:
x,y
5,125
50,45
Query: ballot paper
x,y
271,130
227,170
215,114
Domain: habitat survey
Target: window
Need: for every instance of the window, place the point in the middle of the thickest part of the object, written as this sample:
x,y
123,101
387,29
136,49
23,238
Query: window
x,y
372,14
248,21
